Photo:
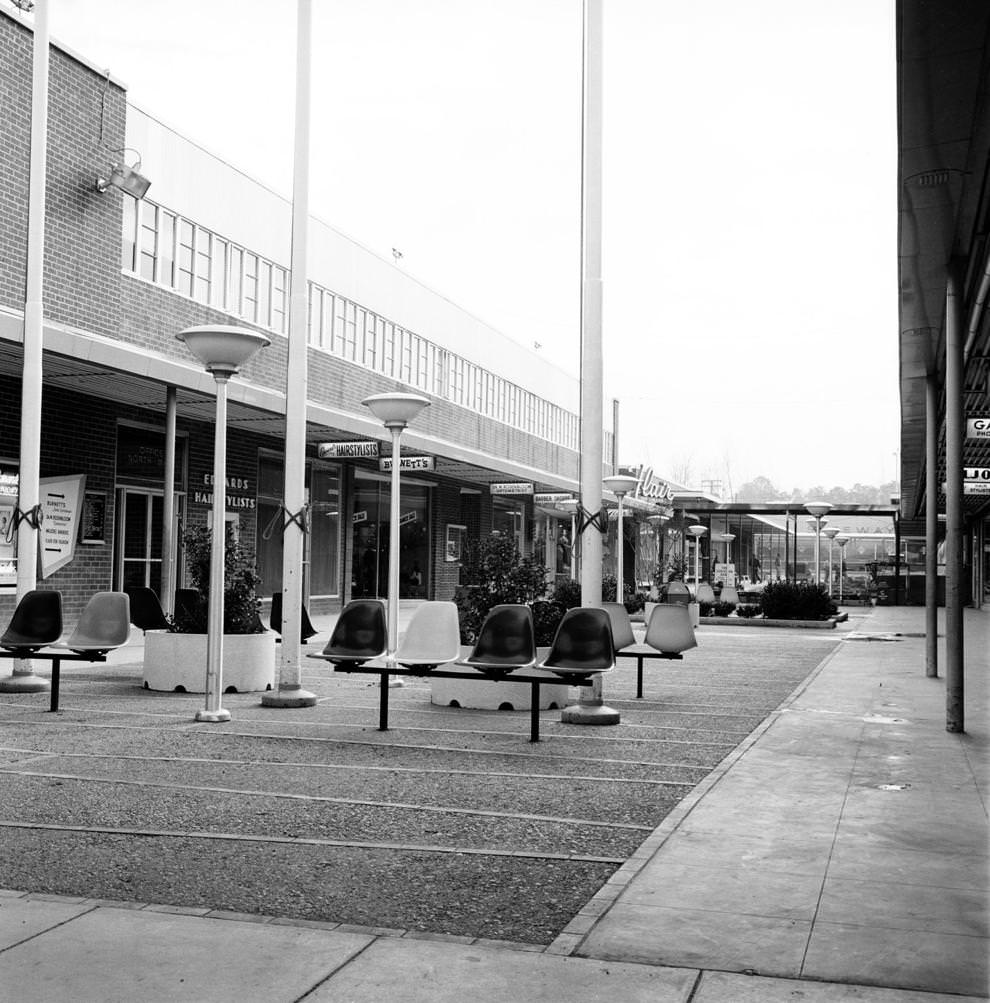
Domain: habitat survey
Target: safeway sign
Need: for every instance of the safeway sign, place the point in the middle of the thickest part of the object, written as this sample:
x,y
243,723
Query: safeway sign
x,y
978,428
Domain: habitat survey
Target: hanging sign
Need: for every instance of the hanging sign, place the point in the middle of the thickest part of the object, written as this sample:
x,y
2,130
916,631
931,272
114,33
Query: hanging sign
x,y
978,428
347,450
976,487
61,501
512,488
361,516
408,463
553,498
976,473
407,517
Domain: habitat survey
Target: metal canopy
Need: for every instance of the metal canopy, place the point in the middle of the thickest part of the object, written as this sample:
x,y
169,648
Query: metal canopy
x,y
943,144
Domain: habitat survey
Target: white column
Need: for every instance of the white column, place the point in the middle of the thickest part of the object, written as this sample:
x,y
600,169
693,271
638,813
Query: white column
x,y
591,710
289,691
23,679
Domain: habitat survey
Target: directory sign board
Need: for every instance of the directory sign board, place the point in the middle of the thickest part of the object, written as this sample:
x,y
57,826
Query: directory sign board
x,y
512,488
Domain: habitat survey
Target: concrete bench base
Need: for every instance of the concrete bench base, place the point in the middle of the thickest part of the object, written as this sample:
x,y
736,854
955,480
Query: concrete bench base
x,y
481,694
177,662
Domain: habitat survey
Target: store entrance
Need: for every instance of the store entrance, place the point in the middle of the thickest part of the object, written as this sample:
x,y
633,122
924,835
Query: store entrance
x,y
139,539
370,529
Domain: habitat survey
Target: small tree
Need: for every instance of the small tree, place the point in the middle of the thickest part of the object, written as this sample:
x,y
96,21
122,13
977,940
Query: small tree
x,y
495,573
241,606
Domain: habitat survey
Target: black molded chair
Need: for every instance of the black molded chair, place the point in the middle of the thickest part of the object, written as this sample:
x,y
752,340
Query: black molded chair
x,y
146,611
506,641
186,601
307,630
583,645
359,635
36,623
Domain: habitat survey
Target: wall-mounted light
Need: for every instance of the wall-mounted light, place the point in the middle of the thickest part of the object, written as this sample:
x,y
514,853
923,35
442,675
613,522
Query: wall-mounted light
x,y
127,179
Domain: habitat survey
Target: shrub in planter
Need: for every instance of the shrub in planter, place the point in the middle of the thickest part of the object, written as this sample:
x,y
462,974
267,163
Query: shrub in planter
x,y
547,615
567,594
635,602
241,605
796,601
723,608
747,610
609,588
495,574
705,609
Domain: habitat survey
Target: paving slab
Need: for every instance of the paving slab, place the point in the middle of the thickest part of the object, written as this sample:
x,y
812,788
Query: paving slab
x,y
724,987
21,919
424,972
111,955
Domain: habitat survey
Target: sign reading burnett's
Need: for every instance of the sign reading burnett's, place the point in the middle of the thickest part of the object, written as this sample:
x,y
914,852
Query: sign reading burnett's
x,y
978,428
347,450
512,488
408,463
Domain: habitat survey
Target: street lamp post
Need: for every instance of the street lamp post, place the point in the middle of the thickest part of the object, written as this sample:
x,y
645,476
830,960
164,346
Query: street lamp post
x,y
620,485
817,509
222,350
656,522
831,532
394,411
697,532
841,541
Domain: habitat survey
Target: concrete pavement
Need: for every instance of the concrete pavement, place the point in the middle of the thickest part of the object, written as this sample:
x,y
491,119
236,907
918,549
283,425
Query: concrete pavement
x,y
840,853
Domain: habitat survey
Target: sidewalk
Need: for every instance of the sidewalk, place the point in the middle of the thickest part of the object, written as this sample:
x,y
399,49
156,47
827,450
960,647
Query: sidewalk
x,y
840,853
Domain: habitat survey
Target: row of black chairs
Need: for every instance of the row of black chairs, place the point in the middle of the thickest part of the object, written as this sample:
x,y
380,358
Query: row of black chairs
x,y
147,613
583,644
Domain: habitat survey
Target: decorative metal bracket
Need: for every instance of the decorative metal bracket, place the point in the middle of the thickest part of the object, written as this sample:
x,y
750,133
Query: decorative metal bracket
x,y
585,519
300,518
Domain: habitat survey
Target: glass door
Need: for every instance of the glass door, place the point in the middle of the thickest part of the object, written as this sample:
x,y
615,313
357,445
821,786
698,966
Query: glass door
x,y
139,539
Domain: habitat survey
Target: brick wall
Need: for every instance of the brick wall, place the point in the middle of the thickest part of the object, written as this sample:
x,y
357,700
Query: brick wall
x,y
83,228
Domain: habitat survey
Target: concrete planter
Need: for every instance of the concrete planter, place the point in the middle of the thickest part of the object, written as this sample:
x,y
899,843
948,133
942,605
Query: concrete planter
x,y
481,694
177,662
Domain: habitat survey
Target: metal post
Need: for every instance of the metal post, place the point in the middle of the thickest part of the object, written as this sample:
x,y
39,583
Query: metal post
x,y
591,710
393,551
954,432
22,678
289,692
931,526
169,542
213,712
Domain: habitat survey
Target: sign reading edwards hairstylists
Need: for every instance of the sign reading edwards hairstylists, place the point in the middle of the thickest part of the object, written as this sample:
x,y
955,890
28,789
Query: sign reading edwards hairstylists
x,y
347,451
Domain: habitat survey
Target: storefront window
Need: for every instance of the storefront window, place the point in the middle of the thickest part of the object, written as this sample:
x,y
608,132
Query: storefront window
x,y
508,518
369,576
321,559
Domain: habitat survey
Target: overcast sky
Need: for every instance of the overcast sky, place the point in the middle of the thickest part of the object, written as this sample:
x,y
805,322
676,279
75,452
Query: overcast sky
x,y
750,285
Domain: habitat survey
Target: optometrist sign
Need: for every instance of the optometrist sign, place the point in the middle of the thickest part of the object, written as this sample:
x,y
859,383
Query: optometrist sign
x,y
512,488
